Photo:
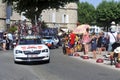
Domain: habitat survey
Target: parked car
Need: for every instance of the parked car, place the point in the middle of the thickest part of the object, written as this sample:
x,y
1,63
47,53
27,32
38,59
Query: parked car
x,y
51,41
30,48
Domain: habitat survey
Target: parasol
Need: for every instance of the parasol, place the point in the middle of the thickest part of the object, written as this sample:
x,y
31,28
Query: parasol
x,y
81,29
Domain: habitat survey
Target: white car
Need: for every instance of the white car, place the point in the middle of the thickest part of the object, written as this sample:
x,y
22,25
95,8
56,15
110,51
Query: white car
x,y
29,48
51,41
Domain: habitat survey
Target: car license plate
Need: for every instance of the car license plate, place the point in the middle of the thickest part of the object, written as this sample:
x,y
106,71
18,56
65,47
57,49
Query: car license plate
x,y
32,55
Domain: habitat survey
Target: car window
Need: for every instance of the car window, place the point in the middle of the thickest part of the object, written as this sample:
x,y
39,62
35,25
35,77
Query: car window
x,y
47,37
29,41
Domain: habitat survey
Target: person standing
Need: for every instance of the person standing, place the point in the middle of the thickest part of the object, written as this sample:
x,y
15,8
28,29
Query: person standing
x,y
72,37
7,42
10,38
107,42
112,38
4,41
86,40
118,37
93,45
100,42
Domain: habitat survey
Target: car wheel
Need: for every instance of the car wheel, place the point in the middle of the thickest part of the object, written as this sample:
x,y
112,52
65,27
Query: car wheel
x,y
53,46
16,62
57,46
47,61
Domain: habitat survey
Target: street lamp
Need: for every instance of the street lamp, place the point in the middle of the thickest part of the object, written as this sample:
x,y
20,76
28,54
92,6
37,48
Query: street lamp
x,y
36,16
8,15
22,16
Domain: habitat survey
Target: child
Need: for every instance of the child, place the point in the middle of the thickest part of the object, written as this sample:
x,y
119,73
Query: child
x,y
94,45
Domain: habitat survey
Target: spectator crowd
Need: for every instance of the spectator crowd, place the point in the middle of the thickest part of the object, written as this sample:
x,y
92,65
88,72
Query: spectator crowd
x,y
86,42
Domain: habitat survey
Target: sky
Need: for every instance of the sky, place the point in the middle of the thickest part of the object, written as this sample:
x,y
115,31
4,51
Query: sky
x,y
94,2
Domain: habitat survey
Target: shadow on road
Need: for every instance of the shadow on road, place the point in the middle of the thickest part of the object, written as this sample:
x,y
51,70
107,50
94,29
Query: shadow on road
x,y
32,63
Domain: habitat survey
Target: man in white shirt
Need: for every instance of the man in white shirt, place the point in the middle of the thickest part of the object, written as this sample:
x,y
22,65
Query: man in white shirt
x,y
112,38
10,37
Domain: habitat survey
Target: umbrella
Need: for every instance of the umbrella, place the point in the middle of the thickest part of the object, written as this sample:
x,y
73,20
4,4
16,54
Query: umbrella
x,y
81,29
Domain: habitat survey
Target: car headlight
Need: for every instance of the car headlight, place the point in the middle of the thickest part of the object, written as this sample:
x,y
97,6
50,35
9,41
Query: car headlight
x,y
18,51
45,50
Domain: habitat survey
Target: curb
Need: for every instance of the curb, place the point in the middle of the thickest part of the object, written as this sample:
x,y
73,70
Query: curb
x,y
105,63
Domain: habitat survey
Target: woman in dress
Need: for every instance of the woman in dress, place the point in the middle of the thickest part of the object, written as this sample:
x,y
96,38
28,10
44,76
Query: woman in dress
x,y
86,40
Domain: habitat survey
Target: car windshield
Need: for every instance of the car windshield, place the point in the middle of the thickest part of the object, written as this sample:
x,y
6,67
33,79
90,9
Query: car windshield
x,y
47,37
29,41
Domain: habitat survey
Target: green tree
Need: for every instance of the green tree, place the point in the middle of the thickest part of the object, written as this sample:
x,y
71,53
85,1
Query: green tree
x,y
118,13
34,8
12,29
43,25
106,12
86,13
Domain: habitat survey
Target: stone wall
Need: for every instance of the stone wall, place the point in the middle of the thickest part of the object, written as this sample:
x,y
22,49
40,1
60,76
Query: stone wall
x,y
2,16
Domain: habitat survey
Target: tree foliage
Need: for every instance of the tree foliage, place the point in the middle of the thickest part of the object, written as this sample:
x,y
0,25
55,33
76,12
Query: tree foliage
x,y
86,13
107,12
102,15
35,7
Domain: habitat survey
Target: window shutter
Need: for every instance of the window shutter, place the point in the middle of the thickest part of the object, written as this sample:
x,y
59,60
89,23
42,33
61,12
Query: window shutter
x,y
67,19
53,17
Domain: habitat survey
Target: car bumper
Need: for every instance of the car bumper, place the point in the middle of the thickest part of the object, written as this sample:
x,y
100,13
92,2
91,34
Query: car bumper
x,y
31,59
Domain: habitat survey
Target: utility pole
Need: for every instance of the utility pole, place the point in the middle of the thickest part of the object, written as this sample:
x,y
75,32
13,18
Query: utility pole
x,y
8,15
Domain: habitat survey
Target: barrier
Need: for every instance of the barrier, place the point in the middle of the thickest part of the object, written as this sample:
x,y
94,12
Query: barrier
x,y
85,57
99,60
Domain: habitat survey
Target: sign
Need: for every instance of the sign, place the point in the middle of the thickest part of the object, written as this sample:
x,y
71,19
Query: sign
x,y
7,21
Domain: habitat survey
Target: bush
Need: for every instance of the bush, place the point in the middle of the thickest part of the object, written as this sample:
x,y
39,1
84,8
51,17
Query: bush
x,y
12,29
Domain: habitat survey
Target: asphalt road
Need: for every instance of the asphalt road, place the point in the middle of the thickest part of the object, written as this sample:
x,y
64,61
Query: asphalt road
x,y
61,67
11,71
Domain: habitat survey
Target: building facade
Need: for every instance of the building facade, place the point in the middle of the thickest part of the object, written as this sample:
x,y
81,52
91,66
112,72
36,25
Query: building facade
x,y
3,16
65,17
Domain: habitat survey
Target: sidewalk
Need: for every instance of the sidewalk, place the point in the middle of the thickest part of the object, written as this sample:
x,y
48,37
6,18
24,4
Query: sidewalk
x,y
106,61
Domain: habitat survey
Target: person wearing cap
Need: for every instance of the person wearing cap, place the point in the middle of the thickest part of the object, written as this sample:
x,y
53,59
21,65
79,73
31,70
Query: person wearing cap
x,y
112,38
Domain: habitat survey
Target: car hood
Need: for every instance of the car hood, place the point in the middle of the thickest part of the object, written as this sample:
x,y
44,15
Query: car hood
x,y
30,47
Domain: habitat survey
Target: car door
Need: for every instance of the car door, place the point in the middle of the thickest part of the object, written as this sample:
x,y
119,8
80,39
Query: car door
x,y
56,40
